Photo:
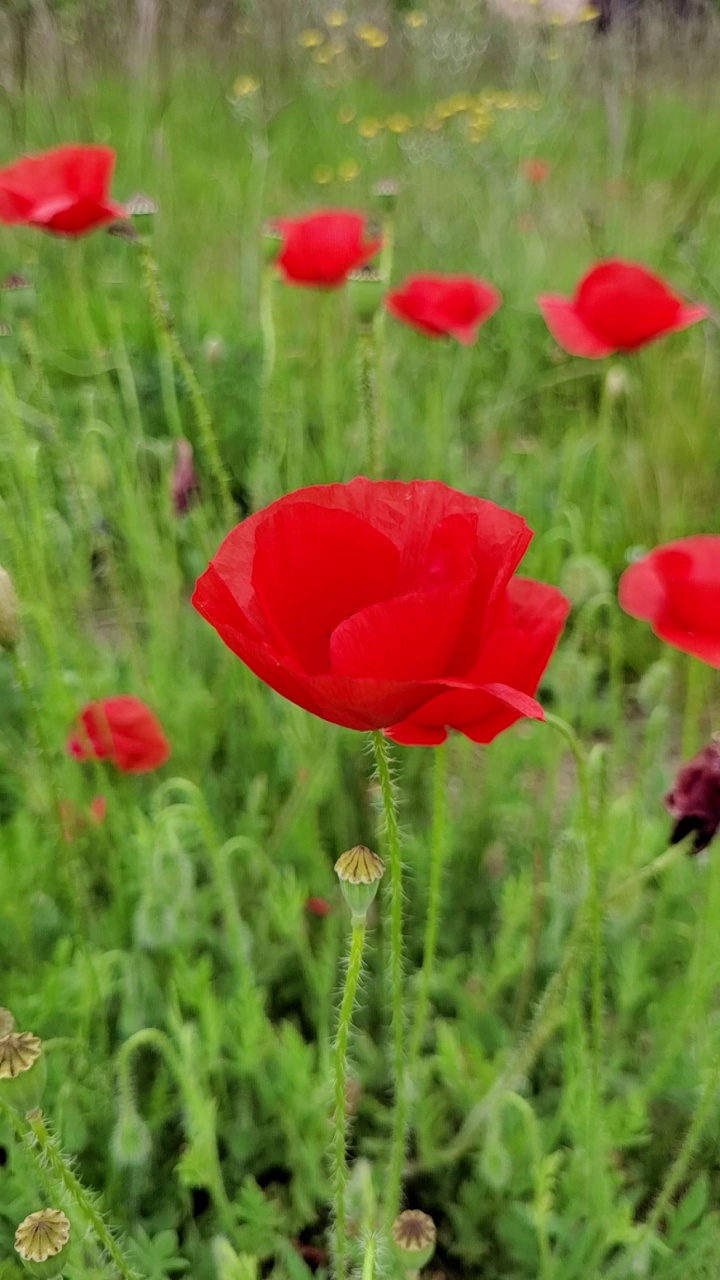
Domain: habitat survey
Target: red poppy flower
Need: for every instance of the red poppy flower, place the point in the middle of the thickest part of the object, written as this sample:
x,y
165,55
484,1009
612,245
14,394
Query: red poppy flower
x,y
535,169
618,306
319,907
444,306
76,821
64,191
360,602
676,588
122,730
525,629
323,248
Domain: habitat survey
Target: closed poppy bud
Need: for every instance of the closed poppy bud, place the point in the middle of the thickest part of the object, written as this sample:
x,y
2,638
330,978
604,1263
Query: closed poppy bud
x,y
359,871
43,1242
365,290
23,1070
18,296
694,799
414,1236
9,613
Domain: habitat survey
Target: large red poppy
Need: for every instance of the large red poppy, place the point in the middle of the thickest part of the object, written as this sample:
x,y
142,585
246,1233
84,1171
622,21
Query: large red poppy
x,y
676,588
323,248
617,306
65,191
524,631
122,730
361,602
444,306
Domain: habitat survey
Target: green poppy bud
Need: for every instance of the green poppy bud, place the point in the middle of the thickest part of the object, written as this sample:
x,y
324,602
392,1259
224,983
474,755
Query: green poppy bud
x,y
43,1242
131,1142
23,1070
9,614
365,290
359,871
414,1236
18,296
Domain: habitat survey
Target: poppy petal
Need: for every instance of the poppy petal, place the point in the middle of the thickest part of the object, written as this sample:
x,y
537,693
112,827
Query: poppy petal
x,y
569,331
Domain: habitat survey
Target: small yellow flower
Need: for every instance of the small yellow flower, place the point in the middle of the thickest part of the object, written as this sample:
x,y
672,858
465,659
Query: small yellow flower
x,y
322,174
399,122
372,35
348,170
346,115
558,20
507,101
434,123
245,85
460,102
444,110
336,18
370,127
588,13
415,19
310,38
323,56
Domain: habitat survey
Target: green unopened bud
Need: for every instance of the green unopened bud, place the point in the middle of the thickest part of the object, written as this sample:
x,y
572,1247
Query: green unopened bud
x,y
9,613
18,296
43,1242
386,193
359,871
131,1142
23,1070
272,243
365,290
414,1237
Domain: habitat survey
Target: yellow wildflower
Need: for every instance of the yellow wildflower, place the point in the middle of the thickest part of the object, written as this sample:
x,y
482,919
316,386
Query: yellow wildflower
x,y
399,122
322,174
346,115
245,85
348,170
434,123
323,56
336,17
372,35
588,13
415,19
311,38
370,127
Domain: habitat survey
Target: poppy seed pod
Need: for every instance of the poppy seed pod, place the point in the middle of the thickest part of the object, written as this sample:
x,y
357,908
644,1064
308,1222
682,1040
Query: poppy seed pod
x,y
43,1242
414,1236
365,290
359,871
9,613
23,1070
694,799
386,193
18,296
142,209
7,1023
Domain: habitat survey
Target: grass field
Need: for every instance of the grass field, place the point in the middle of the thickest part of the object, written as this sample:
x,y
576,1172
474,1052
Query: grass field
x,y
563,1114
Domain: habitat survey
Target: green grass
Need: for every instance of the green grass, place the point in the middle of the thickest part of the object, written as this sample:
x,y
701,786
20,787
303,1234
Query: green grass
x,y
184,912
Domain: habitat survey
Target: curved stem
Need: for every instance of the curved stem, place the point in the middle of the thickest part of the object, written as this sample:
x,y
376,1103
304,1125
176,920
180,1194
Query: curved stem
x,y
400,1119
437,861
352,978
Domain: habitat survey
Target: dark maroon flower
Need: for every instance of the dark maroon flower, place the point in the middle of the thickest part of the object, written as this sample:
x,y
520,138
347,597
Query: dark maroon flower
x,y
694,800
184,482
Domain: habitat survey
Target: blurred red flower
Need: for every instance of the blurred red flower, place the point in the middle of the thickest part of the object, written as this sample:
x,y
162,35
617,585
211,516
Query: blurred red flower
x,y
318,907
535,169
65,191
75,821
444,306
676,588
122,730
323,248
361,602
518,646
617,306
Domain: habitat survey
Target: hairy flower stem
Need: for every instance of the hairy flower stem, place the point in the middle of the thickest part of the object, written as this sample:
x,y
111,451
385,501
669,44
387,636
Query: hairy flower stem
x,y
437,861
267,328
328,385
340,1171
368,1267
602,459
168,340
368,395
393,1184
46,1152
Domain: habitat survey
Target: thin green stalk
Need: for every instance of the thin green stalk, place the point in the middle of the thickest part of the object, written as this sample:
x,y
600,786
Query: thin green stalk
x,y
50,1155
328,385
601,467
368,1267
437,861
38,726
368,395
340,1170
393,1184
266,443
694,698
436,418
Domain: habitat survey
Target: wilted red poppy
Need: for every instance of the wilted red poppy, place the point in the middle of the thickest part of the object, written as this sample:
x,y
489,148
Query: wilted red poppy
x,y
525,628
444,306
65,191
360,602
323,248
535,169
676,588
617,306
122,730
694,800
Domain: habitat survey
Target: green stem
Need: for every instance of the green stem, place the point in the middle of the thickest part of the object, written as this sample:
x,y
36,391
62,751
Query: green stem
x,y
368,1267
393,1184
437,860
352,978
328,387
602,457
38,725
49,1153
266,442
369,404
694,698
